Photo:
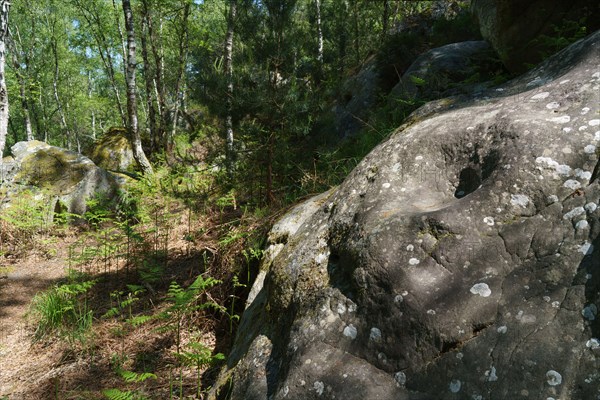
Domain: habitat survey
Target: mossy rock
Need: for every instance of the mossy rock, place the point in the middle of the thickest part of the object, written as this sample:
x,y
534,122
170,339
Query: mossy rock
x,y
58,175
54,169
113,151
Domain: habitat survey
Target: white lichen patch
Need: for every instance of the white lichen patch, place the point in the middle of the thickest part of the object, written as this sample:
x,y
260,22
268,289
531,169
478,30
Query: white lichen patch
x,y
400,378
572,184
590,312
341,308
597,136
585,110
593,344
455,386
577,211
321,257
482,289
418,158
414,261
594,122
590,207
386,185
540,96
519,200
350,331
319,387
410,247
552,106
589,149
398,299
431,312
375,335
582,225
586,248
552,199
502,329
581,174
491,375
567,130
489,221
556,304
553,378
560,120
563,170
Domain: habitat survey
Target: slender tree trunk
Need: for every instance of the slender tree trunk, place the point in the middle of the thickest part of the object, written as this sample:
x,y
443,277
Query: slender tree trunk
x,y
93,20
149,82
4,9
93,113
22,83
61,112
159,74
183,53
319,33
385,18
134,134
230,151
22,91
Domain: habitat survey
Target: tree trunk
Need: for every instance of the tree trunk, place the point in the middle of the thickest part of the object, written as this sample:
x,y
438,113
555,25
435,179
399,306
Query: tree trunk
x,y
183,53
319,34
149,83
158,80
385,18
230,151
61,112
22,83
4,8
134,134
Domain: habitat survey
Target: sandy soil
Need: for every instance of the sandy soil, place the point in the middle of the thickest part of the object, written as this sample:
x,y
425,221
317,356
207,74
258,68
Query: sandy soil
x,y
23,364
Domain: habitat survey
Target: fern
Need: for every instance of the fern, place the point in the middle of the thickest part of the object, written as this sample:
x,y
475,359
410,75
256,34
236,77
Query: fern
x,y
116,394
134,377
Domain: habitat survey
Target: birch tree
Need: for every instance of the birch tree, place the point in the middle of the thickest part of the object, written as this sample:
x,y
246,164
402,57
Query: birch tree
x,y
4,8
230,154
134,134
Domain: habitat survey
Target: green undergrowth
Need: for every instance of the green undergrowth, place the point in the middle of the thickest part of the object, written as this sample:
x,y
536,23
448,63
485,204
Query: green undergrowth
x,y
162,270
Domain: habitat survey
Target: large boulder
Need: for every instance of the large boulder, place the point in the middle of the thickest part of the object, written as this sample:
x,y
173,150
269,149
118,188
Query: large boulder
x,y
457,67
459,260
517,28
61,176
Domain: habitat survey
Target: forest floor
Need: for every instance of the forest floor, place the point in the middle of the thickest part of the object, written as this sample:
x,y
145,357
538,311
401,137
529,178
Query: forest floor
x,y
54,368
24,365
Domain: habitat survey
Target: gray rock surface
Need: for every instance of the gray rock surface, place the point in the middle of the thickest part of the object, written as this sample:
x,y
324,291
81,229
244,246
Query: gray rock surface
x,y
515,27
459,260
56,174
359,96
442,71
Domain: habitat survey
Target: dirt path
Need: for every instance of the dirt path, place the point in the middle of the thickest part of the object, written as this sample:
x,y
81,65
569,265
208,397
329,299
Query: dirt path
x,y
23,365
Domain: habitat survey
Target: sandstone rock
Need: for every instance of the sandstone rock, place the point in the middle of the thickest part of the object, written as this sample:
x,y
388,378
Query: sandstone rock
x,y
453,262
442,71
113,151
515,27
58,174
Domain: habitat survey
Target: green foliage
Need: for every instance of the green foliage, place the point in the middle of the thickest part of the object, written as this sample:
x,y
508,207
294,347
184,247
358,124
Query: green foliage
x,y
563,34
63,311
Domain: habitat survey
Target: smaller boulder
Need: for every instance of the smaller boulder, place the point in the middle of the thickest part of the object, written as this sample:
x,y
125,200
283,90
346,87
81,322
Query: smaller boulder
x,y
448,70
113,151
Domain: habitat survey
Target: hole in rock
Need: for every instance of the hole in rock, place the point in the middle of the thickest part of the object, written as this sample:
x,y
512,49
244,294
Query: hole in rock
x,y
469,181
340,275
